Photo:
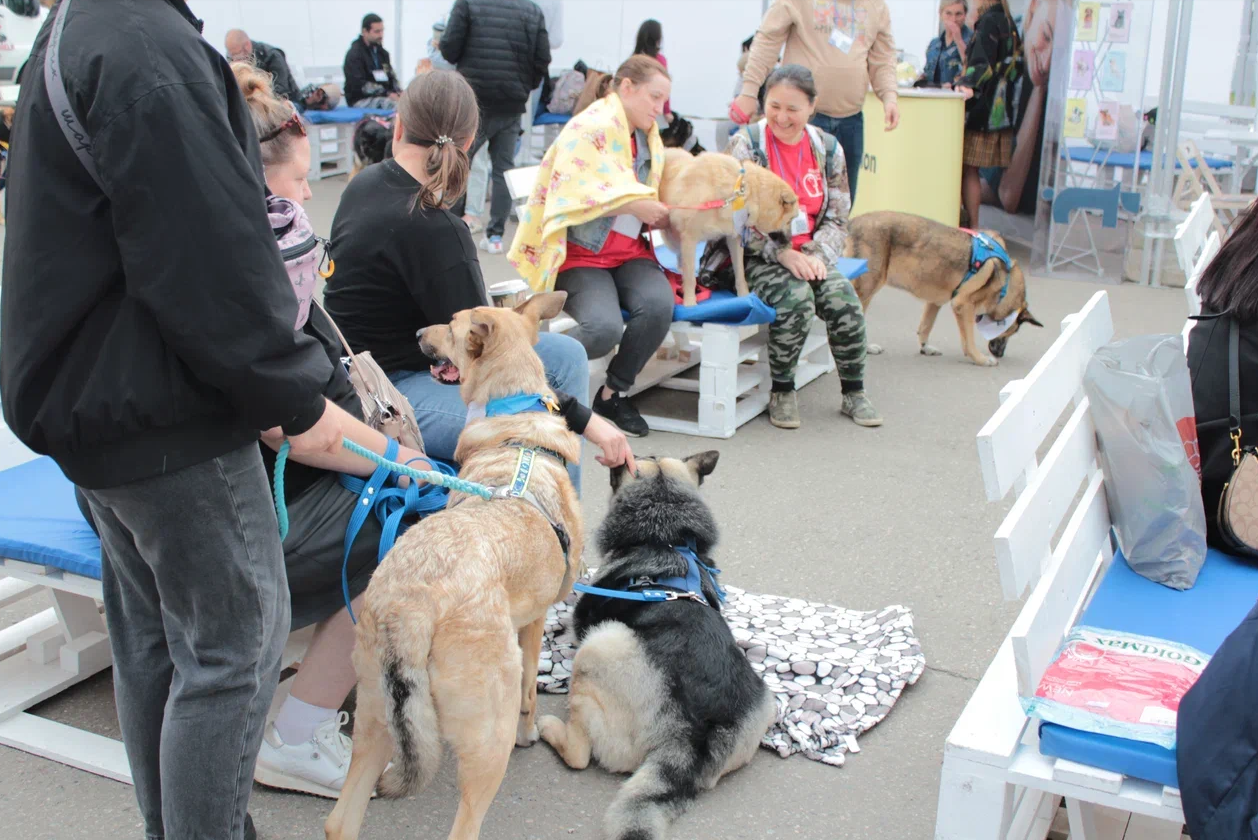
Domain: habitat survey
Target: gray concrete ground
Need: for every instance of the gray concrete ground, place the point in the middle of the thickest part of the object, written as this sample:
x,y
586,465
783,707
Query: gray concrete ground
x,y
862,518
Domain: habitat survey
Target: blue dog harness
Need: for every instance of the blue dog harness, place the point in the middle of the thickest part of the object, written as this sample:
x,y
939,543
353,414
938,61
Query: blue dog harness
x,y
982,249
521,404
657,590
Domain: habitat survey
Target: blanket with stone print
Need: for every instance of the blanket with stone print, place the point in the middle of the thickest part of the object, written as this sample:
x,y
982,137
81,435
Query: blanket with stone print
x,y
835,673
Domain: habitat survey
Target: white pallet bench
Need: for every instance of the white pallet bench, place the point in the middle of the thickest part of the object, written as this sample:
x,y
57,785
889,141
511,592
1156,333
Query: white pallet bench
x,y
1196,244
733,382
995,784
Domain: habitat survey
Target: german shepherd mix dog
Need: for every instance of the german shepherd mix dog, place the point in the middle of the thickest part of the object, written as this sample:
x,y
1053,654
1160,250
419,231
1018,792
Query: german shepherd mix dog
x,y
712,195
451,627
659,689
933,262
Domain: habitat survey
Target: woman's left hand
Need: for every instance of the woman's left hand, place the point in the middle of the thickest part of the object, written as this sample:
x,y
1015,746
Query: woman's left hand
x,y
612,441
405,454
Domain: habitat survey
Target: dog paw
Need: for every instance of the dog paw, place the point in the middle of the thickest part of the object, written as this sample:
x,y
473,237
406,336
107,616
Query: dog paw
x,y
873,349
928,350
526,734
985,361
689,300
549,728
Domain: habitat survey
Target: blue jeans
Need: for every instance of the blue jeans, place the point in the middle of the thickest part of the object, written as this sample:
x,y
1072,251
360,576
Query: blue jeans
x,y
442,414
850,132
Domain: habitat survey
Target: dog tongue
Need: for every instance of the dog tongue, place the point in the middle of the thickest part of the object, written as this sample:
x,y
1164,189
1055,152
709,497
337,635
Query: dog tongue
x,y
445,372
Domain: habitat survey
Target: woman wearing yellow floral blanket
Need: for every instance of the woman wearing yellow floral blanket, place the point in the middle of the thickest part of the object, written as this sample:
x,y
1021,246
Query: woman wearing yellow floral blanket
x,y
585,230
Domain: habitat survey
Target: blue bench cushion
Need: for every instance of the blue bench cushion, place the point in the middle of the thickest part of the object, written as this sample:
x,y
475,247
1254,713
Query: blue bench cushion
x,y
40,520
1201,617
547,118
1126,160
343,115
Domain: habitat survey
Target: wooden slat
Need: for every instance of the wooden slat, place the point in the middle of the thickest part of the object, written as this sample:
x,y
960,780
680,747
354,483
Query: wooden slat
x,y
1031,768
1093,778
13,590
1058,597
67,745
1009,440
1190,234
990,727
1023,540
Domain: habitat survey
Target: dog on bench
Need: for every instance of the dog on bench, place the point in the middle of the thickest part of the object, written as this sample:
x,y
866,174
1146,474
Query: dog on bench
x,y
451,628
712,195
942,265
659,688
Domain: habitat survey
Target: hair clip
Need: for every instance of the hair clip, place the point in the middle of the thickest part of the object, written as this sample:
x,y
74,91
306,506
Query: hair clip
x,y
443,139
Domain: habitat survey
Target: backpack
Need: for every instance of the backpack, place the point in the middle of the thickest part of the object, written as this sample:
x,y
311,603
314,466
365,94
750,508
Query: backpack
x,y
385,408
567,89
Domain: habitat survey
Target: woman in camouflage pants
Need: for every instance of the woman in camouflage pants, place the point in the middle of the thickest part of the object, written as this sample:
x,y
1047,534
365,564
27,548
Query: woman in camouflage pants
x,y
798,278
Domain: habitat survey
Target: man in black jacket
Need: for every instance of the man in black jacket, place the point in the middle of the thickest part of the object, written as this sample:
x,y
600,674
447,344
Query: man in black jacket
x,y
502,49
267,58
369,78
146,336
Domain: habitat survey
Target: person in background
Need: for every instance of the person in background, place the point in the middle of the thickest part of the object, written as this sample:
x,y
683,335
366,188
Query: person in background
x,y
945,55
552,11
404,261
650,39
604,260
170,347
501,47
267,58
800,280
994,41
369,78
848,47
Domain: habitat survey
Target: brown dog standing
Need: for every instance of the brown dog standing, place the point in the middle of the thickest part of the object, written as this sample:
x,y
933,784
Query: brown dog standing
x,y
691,182
452,623
929,260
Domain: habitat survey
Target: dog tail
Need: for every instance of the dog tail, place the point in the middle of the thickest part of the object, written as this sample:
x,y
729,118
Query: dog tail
x,y
408,704
655,795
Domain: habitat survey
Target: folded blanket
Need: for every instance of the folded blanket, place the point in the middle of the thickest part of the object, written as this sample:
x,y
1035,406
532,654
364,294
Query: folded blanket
x,y
587,173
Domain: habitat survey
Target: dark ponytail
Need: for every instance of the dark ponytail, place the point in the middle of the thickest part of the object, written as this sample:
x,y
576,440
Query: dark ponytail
x,y
438,112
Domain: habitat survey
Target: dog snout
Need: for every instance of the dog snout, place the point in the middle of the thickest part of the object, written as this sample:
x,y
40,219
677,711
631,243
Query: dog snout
x,y
997,346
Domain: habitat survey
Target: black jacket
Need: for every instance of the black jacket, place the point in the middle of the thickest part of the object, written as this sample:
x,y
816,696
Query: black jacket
x,y
1208,367
993,41
272,60
361,62
501,48
149,328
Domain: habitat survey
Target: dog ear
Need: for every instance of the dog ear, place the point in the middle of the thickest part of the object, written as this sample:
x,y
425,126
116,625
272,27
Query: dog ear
x,y
702,463
1025,317
788,198
543,306
620,477
478,336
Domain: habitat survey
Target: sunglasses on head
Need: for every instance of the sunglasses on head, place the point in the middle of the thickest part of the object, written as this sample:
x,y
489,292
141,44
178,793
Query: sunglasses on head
x,y
294,121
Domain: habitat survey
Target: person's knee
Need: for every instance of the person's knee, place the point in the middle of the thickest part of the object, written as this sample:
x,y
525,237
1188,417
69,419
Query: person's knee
x,y
655,305
796,307
565,359
599,333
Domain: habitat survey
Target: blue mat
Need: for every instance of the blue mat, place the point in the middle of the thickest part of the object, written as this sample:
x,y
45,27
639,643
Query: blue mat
x,y
40,521
1202,617
1126,160
343,115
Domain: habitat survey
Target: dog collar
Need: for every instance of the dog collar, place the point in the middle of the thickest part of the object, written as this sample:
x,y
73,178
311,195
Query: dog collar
x,y
520,404
737,201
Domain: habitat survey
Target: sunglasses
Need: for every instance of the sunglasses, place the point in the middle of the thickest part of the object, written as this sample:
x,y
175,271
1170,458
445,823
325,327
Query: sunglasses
x,y
294,121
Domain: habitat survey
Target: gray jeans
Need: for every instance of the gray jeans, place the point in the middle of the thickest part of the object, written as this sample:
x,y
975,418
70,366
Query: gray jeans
x,y
501,132
596,297
197,605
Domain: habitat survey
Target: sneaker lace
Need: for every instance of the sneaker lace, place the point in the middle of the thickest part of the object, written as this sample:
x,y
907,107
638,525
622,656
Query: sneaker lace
x,y
330,737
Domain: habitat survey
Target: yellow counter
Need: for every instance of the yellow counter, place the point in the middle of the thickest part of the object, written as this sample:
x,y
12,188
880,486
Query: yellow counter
x,y
917,167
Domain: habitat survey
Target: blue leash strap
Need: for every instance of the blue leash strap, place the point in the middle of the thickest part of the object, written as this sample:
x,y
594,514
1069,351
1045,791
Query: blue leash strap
x,y
363,509
652,595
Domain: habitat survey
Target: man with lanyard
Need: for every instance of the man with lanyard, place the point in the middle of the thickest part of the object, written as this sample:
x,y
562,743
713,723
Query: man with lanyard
x,y
369,78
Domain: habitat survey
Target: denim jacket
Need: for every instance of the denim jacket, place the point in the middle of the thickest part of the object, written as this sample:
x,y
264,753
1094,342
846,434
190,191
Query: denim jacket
x,y
947,59
593,234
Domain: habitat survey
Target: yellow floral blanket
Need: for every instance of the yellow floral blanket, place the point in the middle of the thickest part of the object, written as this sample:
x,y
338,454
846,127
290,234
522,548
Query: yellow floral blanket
x,y
586,173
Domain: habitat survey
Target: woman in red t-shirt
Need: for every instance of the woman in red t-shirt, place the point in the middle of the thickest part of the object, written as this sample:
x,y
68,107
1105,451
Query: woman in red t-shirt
x,y
798,278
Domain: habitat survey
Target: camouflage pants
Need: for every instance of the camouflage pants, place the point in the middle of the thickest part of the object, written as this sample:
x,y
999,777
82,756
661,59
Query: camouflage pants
x,y
796,301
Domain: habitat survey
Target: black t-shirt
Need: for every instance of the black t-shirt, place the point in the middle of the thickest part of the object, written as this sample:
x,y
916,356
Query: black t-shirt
x,y
399,267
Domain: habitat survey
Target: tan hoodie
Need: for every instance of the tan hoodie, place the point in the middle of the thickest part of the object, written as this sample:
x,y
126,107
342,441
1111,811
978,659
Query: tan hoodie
x,y
842,78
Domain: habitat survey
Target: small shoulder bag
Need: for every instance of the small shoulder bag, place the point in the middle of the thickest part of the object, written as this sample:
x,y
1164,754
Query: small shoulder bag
x,y
1238,504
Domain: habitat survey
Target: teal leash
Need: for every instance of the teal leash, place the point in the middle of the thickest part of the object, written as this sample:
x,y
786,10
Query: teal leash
x,y
438,479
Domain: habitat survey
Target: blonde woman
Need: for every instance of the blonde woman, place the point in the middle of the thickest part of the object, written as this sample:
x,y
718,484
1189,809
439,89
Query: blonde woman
x,y
945,56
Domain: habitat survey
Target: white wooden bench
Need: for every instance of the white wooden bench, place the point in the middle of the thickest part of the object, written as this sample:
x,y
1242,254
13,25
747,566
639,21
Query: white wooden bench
x,y
58,647
733,379
331,144
1197,241
995,783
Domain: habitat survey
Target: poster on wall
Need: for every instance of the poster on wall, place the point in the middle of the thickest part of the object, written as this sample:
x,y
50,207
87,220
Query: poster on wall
x,y
1119,31
1106,121
1076,117
1113,71
1082,69
1089,22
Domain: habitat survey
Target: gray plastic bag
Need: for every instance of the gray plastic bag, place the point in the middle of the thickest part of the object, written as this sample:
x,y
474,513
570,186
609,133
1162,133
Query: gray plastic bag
x,y
1146,429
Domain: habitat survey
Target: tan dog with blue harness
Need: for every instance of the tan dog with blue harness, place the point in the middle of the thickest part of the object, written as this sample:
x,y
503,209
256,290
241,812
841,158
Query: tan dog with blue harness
x,y
451,627
943,266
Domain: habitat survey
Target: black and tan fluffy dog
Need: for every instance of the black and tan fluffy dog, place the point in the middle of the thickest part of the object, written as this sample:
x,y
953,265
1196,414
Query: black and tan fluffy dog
x,y
660,690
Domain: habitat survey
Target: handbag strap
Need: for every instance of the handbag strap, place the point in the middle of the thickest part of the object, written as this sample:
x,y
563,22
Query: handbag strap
x,y
71,126
1234,387
335,329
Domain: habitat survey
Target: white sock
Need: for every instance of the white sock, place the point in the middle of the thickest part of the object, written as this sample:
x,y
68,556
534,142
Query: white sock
x,y
298,720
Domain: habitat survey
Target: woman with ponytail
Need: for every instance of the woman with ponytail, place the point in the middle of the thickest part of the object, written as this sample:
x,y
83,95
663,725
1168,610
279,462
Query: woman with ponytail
x,y
404,261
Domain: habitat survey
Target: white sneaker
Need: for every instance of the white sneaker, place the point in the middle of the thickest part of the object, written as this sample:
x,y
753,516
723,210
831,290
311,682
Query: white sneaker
x,y
317,767
491,244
